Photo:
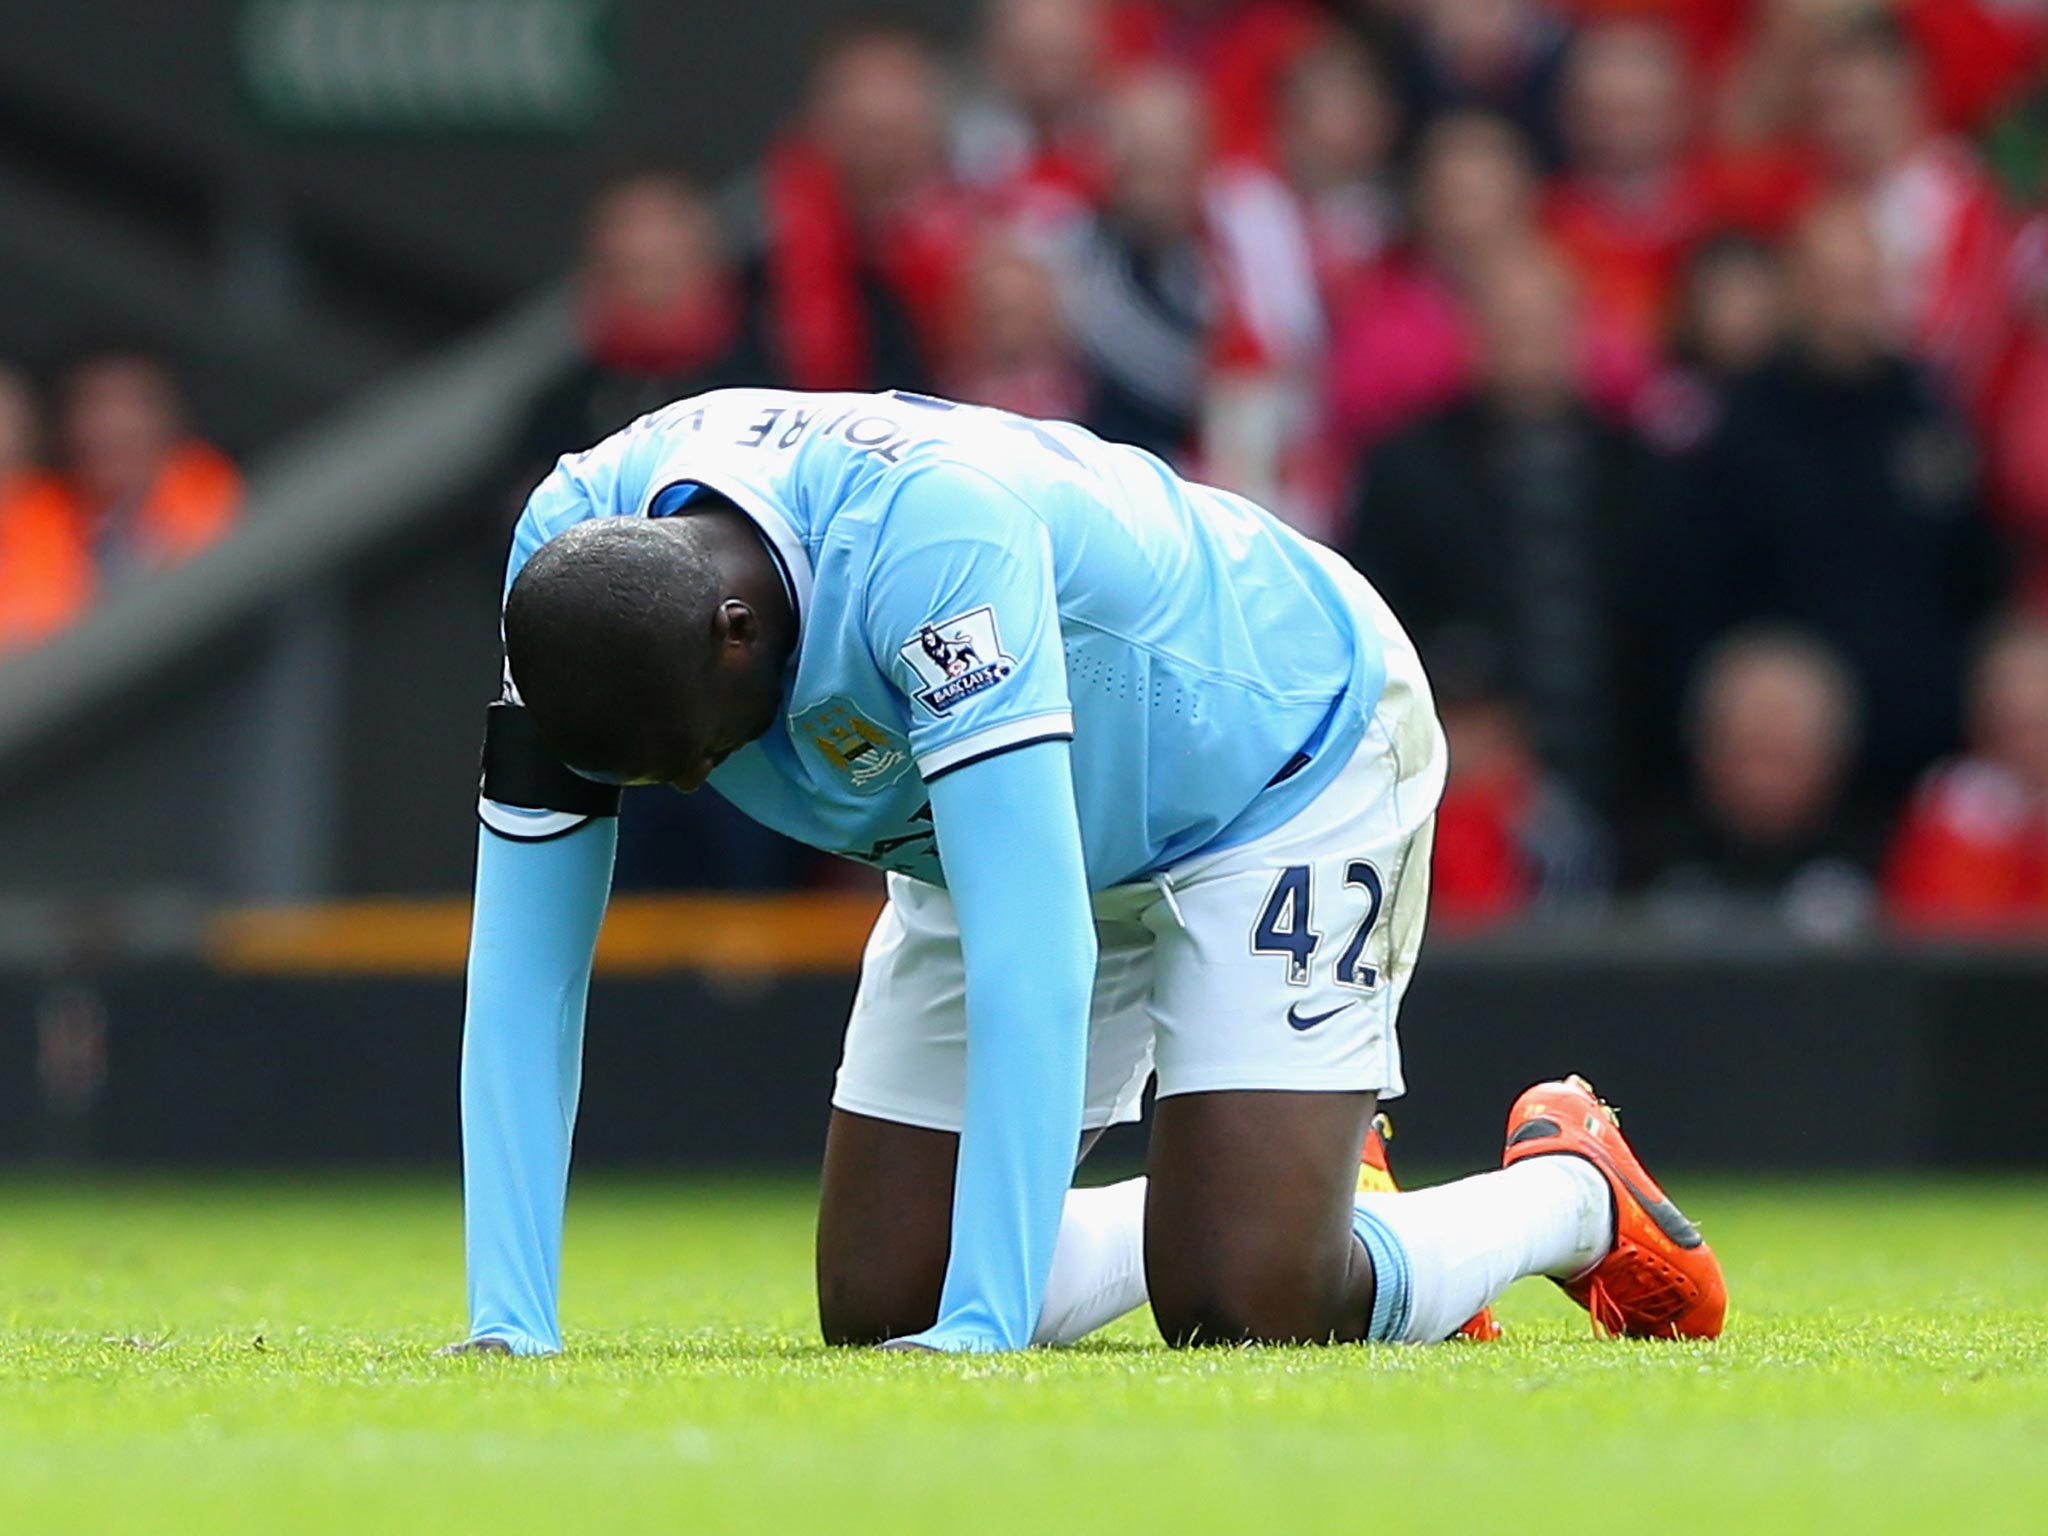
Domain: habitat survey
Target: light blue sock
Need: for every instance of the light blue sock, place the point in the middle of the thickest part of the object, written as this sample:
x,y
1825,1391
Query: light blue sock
x,y
1393,1293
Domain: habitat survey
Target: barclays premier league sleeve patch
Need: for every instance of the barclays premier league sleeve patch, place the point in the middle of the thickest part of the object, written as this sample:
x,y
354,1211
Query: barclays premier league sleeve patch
x,y
955,659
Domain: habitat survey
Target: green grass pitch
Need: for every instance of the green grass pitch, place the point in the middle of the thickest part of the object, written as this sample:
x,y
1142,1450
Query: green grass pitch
x,y
242,1356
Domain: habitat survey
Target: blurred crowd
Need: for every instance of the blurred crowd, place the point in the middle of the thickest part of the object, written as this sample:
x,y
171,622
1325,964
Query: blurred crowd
x,y
100,486
1677,368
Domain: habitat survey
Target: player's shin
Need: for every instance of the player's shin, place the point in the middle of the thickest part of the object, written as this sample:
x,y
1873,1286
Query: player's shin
x,y
1098,1265
1441,1254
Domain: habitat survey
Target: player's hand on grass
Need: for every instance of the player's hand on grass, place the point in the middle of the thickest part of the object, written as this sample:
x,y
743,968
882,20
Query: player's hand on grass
x,y
476,1347
908,1347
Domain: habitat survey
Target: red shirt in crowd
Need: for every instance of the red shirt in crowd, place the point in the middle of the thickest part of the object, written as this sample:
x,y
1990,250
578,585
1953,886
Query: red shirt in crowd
x,y
1478,874
1976,54
1631,249
1239,51
817,255
1972,854
2019,464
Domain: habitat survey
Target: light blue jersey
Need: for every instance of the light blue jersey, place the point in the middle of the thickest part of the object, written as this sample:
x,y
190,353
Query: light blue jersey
x,y
1029,665
968,581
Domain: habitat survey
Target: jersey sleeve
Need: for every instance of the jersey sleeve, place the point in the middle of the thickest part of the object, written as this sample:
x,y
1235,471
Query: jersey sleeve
x,y
1028,941
962,616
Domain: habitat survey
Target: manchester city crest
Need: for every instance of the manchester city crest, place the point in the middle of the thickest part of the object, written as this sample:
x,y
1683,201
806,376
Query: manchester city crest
x,y
865,755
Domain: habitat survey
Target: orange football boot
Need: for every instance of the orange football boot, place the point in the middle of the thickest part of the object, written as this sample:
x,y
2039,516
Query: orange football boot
x,y
1376,1178
1660,1280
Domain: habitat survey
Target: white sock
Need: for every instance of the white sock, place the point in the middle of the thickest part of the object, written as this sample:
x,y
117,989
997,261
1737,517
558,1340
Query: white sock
x,y
1098,1264
1467,1242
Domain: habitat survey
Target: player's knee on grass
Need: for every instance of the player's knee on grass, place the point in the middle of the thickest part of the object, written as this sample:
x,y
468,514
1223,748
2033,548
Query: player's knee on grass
x,y
1237,1296
856,1311
1248,1221
872,1293
884,1229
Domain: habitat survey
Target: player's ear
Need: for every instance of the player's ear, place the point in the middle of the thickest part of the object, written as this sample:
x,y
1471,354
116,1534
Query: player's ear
x,y
735,626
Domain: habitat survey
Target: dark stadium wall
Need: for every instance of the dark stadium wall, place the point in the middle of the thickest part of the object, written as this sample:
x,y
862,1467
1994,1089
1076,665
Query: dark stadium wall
x,y
1857,1060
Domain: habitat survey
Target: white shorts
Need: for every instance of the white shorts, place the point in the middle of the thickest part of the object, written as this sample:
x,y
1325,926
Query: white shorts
x,y
1278,964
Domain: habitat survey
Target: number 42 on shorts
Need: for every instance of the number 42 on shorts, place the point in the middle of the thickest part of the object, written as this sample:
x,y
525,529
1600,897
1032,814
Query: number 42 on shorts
x,y
1286,925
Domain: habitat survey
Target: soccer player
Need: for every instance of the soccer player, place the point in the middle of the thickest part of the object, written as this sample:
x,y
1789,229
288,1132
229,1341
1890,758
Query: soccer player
x,y
1152,778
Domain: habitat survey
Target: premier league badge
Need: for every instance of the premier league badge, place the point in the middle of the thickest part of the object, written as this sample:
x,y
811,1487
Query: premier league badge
x,y
956,658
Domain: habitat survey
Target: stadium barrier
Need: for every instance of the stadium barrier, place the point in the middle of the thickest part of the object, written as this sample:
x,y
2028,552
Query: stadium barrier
x,y
331,1035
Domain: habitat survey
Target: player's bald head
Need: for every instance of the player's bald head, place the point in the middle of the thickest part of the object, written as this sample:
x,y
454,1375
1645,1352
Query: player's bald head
x,y
610,636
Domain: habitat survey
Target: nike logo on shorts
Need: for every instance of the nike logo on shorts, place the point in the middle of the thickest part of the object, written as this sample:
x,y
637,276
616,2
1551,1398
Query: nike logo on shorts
x,y
1296,1021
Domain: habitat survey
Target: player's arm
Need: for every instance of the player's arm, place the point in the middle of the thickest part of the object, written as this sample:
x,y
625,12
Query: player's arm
x,y
1011,846
543,874
962,614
